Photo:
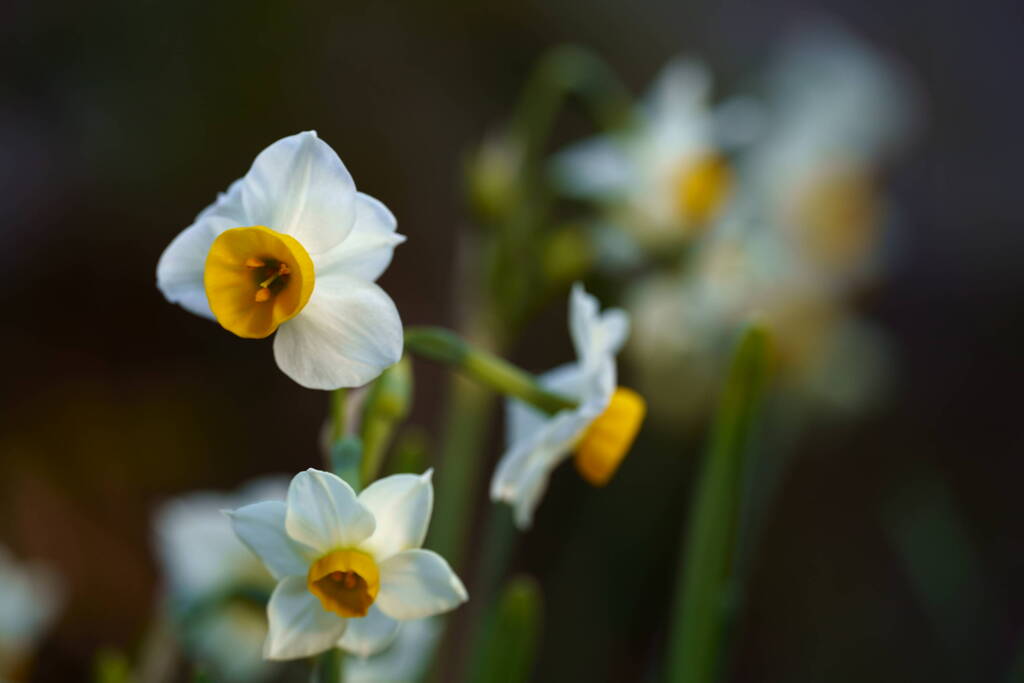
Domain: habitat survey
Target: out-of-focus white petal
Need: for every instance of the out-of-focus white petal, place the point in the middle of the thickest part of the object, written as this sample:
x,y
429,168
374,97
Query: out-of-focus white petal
x,y
300,187
347,334
538,443
404,661
324,513
583,319
614,329
597,168
31,595
680,91
418,583
522,473
367,251
401,504
299,626
370,634
261,526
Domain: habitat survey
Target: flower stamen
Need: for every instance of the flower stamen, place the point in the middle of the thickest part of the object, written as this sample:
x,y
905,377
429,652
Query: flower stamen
x,y
345,581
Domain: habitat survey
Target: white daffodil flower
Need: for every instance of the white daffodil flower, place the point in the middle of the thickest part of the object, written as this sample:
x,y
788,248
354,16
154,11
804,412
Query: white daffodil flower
x,y
837,111
664,179
404,661
348,568
30,597
600,429
214,580
292,247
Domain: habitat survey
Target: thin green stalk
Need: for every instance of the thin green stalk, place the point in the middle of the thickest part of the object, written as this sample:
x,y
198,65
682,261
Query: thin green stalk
x,y
700,611
493,372
510,635
386,406
338,411
329,667
564,71
345,452
465,429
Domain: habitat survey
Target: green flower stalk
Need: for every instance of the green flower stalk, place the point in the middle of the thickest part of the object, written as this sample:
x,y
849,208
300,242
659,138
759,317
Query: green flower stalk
x,y
387,405
445,346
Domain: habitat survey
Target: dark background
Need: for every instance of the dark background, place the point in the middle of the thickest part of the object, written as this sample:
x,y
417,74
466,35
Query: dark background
x,y
119,121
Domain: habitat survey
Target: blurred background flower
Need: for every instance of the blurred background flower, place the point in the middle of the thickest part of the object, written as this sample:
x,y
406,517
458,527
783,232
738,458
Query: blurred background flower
x,y
31,596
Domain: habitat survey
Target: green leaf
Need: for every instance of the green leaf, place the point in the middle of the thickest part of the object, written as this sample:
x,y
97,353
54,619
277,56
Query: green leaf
x,y
702,592
512,635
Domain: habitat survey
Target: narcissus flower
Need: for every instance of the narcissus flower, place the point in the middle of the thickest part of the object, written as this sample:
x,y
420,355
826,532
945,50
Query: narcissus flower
x,y
599,430
217,589
30,597
664,179
348,568
293,247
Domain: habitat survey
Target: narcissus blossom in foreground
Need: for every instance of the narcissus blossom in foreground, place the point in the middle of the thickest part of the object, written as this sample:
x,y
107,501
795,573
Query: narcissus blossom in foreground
x,y
348,567
600,429
30,597
664,179
292,247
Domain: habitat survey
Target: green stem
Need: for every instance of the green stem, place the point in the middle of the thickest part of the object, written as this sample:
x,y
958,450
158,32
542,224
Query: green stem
x,y
329,667
465,429
700,612
338,411
564,71
493,372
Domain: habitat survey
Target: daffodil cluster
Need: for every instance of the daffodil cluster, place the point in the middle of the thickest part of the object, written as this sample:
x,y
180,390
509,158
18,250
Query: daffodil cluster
x,y
777,199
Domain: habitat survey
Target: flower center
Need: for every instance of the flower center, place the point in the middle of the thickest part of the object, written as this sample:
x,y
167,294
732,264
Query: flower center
x,y
836,213
609,437
256,279
701,189
345,581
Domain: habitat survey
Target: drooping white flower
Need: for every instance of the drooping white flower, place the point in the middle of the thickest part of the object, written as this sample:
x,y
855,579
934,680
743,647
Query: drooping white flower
x,y
348,568
600,429
214,581
403,661
665,178
30,597
292,247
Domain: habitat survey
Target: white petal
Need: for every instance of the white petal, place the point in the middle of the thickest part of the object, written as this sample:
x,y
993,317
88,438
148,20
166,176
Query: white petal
x,y
614,329
522,473
324,513
680,91
179,273
532,486
367,251
523,420
598,167
227,211
299,186
261,527
299,626
347,334
583,319
404,661
401,504
418,583
370,634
